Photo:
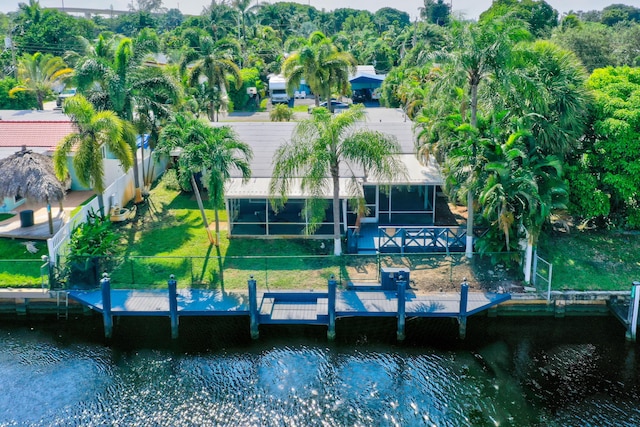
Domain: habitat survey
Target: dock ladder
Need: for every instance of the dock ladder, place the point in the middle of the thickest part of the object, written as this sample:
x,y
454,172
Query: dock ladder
x,y
62,302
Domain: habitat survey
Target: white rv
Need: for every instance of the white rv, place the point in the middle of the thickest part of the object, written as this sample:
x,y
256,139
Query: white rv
x,y
278,89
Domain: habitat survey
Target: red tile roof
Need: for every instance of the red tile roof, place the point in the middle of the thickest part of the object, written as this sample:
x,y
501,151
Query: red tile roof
x,y
45,134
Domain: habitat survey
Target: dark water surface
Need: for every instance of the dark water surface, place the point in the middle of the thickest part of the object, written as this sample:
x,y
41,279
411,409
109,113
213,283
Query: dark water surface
x,y
508,372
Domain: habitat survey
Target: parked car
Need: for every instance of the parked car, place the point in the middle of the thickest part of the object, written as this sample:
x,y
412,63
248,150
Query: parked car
x,y
67,93
336,105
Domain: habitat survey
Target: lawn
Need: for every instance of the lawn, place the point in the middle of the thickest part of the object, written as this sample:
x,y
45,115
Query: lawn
x,y
594,260
168,237
18,266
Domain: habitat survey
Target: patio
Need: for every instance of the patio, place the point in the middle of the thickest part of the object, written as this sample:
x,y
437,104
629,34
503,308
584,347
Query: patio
x,y
11,227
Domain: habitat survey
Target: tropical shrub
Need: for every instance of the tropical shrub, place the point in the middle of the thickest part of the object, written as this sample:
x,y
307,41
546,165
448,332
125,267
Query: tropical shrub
x,y
281,113
91,249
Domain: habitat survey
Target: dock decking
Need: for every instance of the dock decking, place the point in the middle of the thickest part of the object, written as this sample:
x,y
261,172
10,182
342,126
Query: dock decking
x,y
288,307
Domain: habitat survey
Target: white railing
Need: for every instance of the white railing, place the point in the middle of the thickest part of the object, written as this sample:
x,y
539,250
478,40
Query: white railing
x,y
120,192
540,267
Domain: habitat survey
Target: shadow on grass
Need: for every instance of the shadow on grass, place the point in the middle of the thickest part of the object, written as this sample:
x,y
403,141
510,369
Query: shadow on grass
x,y
279,263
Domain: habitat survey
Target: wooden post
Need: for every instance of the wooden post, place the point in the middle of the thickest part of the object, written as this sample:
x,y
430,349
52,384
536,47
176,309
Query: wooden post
x,y
331,306
462,318
173,305
633,312
402,315
105,286
253,308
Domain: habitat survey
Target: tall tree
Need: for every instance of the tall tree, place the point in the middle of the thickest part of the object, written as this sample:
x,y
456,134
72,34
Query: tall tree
x,y
540,17
94,130
39,73
480,53
214,151
211,64
435,12
320,147
608,157
48,30
123,83
321,65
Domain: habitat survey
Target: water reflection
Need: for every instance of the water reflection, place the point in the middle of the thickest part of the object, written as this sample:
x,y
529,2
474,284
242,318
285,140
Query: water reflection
x,y
63,375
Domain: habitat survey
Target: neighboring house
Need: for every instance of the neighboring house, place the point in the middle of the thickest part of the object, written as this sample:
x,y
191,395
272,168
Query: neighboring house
x,y
38,131
41,132
408,201
365,84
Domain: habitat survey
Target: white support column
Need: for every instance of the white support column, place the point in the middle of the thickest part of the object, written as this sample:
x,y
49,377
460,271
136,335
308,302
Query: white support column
x,y
227,206
266,216
344,215
433,206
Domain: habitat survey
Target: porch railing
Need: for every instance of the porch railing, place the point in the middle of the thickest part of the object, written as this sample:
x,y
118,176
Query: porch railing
x,y
421,239
401,239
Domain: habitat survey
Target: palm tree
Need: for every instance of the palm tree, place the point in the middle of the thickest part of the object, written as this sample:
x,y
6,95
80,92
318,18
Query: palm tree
x,y
519,190
549,96
94,130
321,65
212,64
320,146
39,73
215,151
480,53
124,84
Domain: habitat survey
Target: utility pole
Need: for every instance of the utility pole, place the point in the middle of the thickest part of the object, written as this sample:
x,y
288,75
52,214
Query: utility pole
x,y
8,44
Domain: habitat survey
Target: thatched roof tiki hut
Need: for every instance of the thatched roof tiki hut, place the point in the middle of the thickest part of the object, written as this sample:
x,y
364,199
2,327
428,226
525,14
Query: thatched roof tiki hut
x,y
31,175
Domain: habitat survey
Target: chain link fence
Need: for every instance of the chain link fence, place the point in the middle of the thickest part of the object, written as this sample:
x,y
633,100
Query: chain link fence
x,y
429,272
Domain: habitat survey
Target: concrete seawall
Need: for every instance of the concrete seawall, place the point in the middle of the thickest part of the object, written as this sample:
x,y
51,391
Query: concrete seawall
x,y
25,302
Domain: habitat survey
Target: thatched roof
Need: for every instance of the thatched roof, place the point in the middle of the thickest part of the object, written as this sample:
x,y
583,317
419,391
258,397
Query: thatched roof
x,y
30,175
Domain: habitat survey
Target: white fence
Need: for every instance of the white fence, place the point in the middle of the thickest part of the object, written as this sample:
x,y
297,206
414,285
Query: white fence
x,y
120,192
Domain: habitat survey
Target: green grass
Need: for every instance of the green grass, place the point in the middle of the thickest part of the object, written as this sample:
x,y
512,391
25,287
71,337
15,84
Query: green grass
x,y
18,266
168,237
4,216
595,260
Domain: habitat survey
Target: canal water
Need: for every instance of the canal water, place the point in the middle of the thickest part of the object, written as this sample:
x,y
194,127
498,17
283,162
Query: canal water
x,y
508,372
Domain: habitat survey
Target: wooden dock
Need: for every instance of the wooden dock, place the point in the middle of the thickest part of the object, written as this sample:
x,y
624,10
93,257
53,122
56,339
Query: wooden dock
x,y
287,307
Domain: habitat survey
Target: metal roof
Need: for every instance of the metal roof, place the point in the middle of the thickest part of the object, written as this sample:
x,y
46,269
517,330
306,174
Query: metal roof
x,y
265,138
367,78
259,188
417,174
33,116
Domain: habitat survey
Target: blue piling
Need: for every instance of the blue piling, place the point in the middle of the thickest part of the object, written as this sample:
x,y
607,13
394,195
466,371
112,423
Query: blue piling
x,y
402,299
105,286
462,318
331,307
253,308
173,305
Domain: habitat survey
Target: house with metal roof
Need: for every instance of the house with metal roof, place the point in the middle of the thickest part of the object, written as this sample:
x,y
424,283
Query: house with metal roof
x,y
407,201
365,84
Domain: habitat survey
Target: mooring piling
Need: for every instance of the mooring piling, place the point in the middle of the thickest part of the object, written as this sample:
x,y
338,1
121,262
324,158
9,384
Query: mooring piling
x,y
462,317
633,312
402,301
105,287
253,308
173,305
331,308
